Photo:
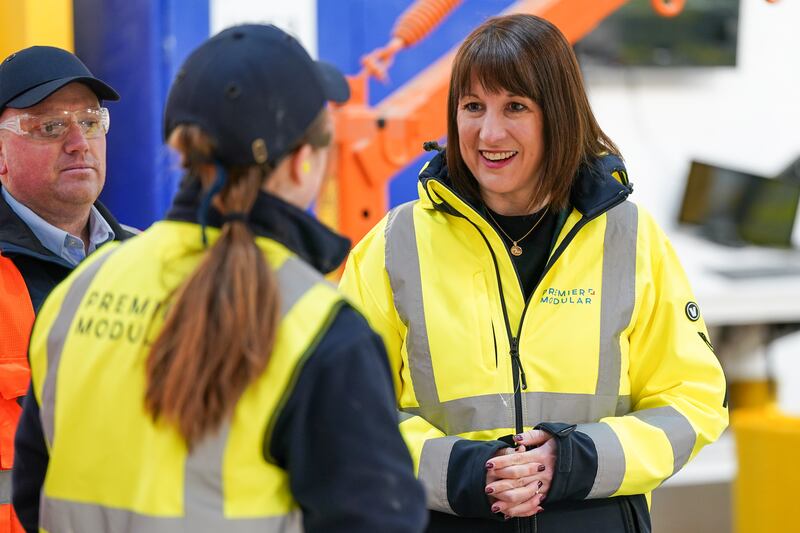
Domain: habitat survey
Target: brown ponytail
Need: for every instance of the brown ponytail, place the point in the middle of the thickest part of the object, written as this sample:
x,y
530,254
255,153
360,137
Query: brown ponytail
x,y
221,327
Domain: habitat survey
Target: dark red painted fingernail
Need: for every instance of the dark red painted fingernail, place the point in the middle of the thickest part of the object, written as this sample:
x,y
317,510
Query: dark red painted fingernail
x,y
541,468
495,508
489,466
544,496
489,490
518,437
506,517
540,484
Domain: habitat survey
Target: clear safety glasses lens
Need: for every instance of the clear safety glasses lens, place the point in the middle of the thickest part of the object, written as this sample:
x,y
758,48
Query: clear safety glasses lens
x,y
93,123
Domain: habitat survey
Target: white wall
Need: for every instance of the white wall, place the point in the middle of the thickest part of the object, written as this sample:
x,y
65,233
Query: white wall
x,y
298,17
747,117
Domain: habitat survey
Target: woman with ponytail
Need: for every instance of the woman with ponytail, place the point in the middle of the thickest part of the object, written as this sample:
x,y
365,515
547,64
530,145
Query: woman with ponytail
x,y
205,377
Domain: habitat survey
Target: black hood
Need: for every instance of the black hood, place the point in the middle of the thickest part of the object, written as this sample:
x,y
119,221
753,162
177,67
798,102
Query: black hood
x,y
594,190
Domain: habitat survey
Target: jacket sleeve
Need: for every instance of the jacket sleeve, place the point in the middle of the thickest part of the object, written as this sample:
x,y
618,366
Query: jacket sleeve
x,y
678,391
337,437
451,469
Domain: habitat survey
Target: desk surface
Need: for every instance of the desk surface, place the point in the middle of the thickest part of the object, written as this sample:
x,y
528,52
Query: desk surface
x,y
724,300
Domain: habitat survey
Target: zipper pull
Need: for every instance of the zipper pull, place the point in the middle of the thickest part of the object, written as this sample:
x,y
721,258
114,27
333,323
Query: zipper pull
x,y
515,357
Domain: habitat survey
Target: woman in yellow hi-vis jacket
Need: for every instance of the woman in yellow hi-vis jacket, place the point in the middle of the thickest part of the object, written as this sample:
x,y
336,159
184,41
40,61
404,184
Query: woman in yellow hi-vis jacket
x,y
204,377
551,365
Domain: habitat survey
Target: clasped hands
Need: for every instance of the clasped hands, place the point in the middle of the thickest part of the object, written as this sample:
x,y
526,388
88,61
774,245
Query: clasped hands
x,y
517,479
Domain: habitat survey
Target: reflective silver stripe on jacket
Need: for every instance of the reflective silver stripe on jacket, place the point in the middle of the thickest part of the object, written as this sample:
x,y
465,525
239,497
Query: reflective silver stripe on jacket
x,y
493,411
678,430
676,427
402,265
203,496
496,411
617,301
5,487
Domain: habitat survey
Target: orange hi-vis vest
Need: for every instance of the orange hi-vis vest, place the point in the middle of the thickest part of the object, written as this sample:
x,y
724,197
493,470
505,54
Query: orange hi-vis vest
x,y
16,321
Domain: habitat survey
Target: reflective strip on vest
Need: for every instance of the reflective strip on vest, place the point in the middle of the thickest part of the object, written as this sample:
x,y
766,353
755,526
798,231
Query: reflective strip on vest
x,y
84,517
5,487
56,338
203,490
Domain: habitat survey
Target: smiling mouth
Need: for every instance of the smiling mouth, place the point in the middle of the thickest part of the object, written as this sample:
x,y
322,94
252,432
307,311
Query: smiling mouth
x,y
497,156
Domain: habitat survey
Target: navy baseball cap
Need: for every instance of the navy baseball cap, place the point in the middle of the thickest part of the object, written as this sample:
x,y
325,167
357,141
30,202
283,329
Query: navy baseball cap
x,y
252,87
29,76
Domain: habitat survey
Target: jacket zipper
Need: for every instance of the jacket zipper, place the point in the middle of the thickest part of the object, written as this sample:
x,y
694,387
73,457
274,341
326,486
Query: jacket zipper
x,y
705,340
517,370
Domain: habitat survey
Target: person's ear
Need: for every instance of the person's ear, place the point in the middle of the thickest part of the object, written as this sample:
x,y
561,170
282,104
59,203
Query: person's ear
x,y
3,164
301,164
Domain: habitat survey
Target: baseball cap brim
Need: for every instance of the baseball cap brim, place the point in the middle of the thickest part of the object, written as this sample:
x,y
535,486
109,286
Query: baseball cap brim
x,y
36,94
333,83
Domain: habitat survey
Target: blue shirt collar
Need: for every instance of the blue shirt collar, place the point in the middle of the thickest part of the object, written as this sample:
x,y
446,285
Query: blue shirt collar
x,y
64,245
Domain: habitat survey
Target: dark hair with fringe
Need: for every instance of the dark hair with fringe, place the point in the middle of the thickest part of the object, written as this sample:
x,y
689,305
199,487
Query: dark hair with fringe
x,y
528,56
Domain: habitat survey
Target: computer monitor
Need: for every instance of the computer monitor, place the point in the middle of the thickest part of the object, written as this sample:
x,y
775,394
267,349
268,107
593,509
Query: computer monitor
x,y
735,208
704,34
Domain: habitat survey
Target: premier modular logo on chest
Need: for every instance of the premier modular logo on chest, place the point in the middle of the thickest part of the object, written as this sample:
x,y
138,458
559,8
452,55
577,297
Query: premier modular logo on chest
x,y
555,296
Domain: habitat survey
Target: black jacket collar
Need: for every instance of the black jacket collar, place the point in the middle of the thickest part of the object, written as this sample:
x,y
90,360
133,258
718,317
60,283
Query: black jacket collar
x,y
17,238
275,219
594,190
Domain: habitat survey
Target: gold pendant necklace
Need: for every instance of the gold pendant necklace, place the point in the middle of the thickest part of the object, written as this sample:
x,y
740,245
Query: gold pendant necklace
x,y
515,248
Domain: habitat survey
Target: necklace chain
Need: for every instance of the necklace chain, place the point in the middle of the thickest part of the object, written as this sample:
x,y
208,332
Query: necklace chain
x,y
515,248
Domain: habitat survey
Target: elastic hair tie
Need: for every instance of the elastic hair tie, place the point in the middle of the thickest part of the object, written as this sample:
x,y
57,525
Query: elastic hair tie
x,y
205,202
235,216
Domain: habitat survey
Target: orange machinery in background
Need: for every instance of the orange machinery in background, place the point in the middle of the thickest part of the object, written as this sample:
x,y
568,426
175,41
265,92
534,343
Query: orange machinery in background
x,y
375,143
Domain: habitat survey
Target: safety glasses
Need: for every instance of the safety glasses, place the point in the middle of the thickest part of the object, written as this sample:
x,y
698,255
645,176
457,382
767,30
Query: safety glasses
x,y
54,126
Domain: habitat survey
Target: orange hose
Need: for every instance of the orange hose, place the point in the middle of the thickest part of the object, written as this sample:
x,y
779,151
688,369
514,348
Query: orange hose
x,y
668,8
421,18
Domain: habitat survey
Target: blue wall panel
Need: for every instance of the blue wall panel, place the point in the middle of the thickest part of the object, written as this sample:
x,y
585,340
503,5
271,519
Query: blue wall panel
x,y
137,46
348,29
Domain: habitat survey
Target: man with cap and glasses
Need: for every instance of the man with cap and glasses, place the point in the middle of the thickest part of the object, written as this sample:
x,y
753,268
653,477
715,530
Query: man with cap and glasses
x,y
52,169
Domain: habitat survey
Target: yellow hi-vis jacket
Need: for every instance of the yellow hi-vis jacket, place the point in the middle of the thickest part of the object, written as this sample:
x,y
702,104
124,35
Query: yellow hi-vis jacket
x,y
88,353
611,339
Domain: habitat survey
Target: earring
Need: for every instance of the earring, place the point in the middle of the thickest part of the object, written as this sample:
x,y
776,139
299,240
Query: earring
x,y
306,167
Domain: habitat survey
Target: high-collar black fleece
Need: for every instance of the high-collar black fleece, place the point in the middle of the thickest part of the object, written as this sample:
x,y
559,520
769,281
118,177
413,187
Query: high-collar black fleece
x,y
275,219
593,190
